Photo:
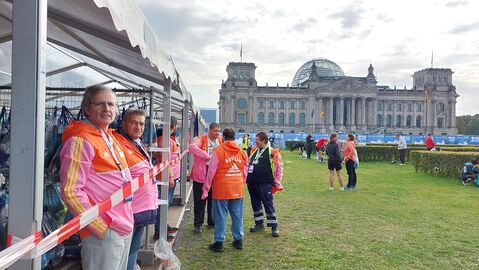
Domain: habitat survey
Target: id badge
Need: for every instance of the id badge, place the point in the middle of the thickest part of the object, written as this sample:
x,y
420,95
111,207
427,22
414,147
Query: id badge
x,y
251,167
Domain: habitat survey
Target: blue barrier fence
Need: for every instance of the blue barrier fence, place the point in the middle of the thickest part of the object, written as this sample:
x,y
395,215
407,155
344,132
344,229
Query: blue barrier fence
x,y
281,138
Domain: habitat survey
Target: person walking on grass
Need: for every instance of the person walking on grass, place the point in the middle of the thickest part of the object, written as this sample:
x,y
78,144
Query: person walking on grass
x,y
264,175
309,145
334,162
227,175
402,146
350,160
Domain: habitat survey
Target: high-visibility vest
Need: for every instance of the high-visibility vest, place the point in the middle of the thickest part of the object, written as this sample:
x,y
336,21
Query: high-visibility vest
x,y
245,143
272,151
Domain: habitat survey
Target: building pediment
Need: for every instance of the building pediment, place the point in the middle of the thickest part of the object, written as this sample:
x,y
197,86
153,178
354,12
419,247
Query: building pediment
x,y
348,84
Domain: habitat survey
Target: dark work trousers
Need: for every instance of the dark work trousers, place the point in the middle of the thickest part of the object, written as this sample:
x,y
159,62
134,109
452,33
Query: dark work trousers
x,y
199,205
309,150
262,195
351,174
402,155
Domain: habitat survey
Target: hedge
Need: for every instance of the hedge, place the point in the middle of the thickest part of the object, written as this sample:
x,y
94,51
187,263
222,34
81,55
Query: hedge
x,y
390,152
443,163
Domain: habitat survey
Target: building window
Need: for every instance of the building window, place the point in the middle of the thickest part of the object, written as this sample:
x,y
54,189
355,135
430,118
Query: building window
x,y
409,121
261,103
291,103
241,119
418,121
303,104
440,122
271,119
389,106
271,104
380,106
409,107
399,106
389,120
440,107
419,107
291,119
281,119
261,119
379,120
281,104
241,103
302,119
398,120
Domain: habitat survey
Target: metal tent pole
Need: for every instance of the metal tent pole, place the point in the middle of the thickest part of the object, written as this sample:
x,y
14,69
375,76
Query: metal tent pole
x,y
165,156
28,121
184,146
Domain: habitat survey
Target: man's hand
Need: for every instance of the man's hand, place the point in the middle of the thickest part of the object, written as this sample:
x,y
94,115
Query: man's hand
x,y
204,196
208,158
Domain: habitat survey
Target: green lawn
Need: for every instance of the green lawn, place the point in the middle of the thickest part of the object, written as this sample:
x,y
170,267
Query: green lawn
x,y
395,219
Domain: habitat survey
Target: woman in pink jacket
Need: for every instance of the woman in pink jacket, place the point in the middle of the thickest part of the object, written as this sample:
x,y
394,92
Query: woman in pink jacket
x,y
350,160
202,149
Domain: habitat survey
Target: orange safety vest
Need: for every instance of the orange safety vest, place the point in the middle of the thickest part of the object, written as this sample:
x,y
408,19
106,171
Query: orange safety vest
x,y
204,141
228,181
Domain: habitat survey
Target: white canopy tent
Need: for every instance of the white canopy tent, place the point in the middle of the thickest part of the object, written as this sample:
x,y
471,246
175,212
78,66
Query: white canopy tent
x,y
65,44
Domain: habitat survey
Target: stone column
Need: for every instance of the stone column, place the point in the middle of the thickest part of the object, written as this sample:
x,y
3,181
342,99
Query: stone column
x,y
453,114
363,113
394,114
320,120
414,114
251,110
330,113
384,114
353,113
341,113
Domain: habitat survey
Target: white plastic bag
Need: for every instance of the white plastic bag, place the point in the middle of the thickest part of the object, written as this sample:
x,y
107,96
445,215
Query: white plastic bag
x,y
164,252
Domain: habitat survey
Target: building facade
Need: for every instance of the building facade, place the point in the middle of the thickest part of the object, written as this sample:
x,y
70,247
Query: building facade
x,y
322,99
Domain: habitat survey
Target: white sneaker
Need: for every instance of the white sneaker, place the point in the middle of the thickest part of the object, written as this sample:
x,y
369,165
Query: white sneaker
x,y
331,188
137,267
342,189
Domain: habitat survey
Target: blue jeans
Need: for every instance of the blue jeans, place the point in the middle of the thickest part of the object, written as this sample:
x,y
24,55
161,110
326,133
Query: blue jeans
x,y
220,211
171,192
135,246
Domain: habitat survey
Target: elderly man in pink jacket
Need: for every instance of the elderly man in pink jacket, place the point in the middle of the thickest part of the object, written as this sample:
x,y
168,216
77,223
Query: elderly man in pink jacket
x,y
202,149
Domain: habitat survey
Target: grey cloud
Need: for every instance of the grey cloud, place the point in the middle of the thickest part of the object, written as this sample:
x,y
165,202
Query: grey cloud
x,y
304,24
458,3
350,16
384,18
462,28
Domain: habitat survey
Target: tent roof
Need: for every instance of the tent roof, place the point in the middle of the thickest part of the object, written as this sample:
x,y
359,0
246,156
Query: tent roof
x,y
112,37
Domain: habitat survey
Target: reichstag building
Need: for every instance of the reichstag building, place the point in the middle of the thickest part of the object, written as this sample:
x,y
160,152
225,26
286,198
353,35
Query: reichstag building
x,y
322,99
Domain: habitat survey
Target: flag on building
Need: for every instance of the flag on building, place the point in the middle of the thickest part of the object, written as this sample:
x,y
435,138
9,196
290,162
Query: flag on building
x,y
312,113
241,52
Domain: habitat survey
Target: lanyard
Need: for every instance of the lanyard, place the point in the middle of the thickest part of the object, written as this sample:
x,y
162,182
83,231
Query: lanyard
x,y
109,142
213,144
259,154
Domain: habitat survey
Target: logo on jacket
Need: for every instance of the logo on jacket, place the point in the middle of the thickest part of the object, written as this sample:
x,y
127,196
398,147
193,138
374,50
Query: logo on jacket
x,y
234,171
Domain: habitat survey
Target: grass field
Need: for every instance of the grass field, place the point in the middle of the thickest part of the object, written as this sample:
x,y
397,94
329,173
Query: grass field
x,y
395,219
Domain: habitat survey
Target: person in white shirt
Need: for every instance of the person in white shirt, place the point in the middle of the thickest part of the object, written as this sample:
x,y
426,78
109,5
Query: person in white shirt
x,y
402,146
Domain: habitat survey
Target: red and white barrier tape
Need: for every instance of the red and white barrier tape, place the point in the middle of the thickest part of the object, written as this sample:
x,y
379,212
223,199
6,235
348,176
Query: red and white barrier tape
x,y
37,246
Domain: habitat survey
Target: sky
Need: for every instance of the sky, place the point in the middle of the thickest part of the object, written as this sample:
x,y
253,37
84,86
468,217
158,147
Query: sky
x,y
397,37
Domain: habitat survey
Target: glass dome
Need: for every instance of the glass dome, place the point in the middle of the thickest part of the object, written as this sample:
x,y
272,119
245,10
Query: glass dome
x,y
324,68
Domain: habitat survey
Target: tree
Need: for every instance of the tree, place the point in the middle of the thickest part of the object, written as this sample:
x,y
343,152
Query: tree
x,y
472,128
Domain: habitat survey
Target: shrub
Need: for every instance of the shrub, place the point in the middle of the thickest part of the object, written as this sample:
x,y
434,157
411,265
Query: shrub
x,y
443,163
387,152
